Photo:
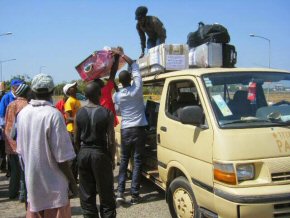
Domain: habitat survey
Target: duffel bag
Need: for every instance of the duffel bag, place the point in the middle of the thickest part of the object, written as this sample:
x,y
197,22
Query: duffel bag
x,y
208,33
214,33
193,39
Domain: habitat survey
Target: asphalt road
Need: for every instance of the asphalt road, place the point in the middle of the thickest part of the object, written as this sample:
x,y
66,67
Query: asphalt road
x,y
152,203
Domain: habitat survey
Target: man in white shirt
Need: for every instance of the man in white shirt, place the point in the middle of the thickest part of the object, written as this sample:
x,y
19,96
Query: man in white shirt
x,y
45,149
130,103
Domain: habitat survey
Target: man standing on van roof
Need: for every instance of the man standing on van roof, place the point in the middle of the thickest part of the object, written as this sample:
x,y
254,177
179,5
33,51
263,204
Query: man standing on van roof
x,y
150,25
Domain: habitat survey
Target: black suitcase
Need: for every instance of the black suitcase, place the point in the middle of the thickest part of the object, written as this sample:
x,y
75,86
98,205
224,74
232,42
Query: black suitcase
x,y
229,55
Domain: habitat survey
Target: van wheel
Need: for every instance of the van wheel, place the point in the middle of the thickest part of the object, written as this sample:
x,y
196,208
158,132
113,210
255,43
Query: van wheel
x,y
181,200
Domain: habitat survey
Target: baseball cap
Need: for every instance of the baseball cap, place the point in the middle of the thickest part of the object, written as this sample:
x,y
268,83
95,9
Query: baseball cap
x,y
68,86
21,89
140,12
16,82
42,83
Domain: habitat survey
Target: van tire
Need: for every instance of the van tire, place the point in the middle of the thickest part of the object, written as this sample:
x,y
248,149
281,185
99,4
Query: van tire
x,y
181,200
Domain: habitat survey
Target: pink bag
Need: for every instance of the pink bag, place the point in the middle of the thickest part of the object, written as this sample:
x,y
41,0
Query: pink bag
x,y
97,65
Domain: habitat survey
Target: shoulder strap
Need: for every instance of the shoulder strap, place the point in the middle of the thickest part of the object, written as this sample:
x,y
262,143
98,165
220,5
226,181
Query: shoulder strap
x,y
90,112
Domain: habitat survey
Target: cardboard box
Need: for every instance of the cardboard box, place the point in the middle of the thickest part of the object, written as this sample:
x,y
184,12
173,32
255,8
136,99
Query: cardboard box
x,y
164,58
170,57
144,65
143,62
206,55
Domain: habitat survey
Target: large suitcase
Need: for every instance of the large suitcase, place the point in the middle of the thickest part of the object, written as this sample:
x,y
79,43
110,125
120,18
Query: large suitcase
x,y
229,55
207,55
164,58
169,56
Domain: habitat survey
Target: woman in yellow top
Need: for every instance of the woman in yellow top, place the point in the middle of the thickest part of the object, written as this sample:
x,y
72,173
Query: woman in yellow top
x,y
71,107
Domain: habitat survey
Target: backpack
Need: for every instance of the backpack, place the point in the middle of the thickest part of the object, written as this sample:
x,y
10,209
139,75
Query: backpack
x,y
208,33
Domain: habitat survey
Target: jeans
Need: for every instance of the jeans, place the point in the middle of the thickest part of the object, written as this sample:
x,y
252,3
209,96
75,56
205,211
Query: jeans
x,y
96,176
132,142
14,183
153,42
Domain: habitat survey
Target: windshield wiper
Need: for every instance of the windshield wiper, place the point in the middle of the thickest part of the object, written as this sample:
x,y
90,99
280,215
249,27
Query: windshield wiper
x,y
286,123
248,120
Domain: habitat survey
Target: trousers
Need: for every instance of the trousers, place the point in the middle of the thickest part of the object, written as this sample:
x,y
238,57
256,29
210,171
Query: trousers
x,y
14,183
132,142
2,155
96,177
153,42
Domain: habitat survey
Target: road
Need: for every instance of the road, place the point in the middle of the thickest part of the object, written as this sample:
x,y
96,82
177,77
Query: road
x,y
153,202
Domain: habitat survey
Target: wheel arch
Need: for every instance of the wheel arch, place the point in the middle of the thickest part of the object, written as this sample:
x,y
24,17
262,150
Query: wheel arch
x,y
175,169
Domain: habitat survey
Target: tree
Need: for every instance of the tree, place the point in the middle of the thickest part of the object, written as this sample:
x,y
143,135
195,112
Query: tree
x,y
58,90
26,78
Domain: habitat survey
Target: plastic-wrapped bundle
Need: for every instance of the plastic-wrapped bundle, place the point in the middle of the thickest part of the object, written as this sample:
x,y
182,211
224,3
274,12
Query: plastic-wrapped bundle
x,y
97,65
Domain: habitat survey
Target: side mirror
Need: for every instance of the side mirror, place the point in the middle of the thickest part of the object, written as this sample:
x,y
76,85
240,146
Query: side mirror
x,y
191,115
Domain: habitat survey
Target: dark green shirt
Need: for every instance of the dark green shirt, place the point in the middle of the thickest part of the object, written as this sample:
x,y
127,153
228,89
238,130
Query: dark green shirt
x,y
154,29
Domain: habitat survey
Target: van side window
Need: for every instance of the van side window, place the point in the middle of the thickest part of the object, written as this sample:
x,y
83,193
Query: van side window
x,y
180,94
152,94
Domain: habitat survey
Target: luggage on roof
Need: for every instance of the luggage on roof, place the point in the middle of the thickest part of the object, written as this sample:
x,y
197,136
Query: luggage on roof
x,y
208,33
164,58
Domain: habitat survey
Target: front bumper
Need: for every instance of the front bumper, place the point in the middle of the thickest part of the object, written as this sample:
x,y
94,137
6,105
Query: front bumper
x,y
273,201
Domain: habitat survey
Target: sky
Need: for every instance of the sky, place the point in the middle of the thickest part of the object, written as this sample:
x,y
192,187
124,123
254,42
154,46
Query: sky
x,y
53,36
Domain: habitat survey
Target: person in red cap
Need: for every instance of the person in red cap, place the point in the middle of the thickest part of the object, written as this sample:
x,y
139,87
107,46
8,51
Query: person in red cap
x,y
150,25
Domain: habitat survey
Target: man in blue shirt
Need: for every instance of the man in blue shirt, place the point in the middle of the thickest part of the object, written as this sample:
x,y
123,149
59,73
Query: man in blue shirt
x,y
129,101
2,143
7,98
5,101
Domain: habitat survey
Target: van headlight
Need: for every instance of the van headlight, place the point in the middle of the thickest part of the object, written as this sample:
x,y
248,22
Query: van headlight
x,y
245,172
225,172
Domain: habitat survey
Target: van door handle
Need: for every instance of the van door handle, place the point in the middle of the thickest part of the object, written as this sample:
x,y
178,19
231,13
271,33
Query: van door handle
x,y
163,128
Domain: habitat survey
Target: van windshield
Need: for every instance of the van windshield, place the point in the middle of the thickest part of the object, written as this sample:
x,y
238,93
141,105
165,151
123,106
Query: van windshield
x,y
249,99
